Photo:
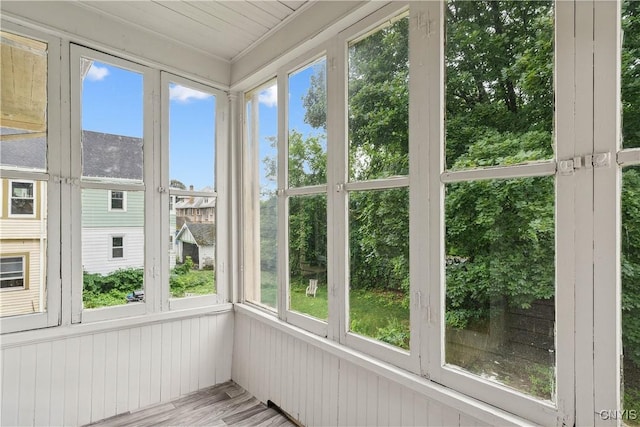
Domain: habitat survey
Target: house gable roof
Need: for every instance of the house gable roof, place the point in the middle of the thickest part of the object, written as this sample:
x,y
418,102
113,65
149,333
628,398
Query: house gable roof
x,y
103,155
203,233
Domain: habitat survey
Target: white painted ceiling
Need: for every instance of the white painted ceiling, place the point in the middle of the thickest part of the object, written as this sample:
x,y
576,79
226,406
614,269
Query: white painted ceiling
x,y
224,29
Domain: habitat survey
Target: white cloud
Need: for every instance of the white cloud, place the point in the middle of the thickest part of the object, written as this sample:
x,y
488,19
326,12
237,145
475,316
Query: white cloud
x,y
96,73
269,97
185,94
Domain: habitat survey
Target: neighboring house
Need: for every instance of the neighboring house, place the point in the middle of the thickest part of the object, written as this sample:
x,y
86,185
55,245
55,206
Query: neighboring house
x,y
195,209
197,240
113,221
23,221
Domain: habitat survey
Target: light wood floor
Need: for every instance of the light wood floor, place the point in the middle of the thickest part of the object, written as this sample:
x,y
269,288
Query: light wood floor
x,y
221,405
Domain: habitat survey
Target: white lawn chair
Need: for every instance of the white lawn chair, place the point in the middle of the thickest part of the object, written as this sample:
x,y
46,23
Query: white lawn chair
x,y
312,288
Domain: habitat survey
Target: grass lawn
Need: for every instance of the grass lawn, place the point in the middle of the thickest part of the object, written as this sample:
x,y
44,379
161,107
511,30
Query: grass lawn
x,y
374,313
194,282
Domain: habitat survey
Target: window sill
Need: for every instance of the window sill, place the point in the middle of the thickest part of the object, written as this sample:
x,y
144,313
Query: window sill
x,y
433,391
60,332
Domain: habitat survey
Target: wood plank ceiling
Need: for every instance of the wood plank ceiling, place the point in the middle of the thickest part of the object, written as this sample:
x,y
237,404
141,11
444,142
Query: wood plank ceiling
x,y
224,29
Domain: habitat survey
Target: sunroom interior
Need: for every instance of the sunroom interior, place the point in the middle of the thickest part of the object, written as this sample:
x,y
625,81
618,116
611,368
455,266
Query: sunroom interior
x,y
364,212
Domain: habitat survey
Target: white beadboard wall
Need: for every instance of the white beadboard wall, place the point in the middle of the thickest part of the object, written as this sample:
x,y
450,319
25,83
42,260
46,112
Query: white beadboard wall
x,y
85,378
319,388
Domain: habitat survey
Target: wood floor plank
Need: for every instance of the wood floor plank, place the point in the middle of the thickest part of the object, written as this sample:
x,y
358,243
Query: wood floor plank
x,y
222,405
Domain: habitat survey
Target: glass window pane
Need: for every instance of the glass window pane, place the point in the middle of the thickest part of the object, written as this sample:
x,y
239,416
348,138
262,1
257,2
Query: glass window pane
x,y
112,248
308,255
379,265
379,103
192,219
192,136
23,147
500,281
262,118
631,293
630,74
307,125
23,103
112,118
499,82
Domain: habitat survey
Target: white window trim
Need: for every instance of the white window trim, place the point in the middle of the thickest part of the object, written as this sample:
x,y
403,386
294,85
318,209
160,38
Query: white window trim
x,y
110,201
52,281
34,185
150,83
112,247
24,276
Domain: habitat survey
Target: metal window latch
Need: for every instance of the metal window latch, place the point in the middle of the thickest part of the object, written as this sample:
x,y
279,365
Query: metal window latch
x,y
162,190
339,187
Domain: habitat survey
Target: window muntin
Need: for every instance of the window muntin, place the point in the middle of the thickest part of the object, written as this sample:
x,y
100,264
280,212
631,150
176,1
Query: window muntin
x,y
262,203
499,83
12,272
192,186
23,201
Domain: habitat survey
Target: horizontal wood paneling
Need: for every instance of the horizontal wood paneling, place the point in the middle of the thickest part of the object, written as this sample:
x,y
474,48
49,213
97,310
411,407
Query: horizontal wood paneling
x,y
320,389
83,379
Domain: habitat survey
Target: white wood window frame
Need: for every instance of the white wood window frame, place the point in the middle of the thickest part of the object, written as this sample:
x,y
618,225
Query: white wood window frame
x,y
341,186
79,183
34,198
285,192
221,184
432,130
110,201
52,281
251,204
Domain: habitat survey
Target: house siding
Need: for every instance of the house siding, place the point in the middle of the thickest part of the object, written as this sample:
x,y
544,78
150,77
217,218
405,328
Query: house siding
x,y
95,210
96,249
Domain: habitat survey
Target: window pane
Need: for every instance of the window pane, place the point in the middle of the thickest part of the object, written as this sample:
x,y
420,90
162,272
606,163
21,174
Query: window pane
x,y
192,252
23,247
262,118
379,265
307,125
379,103
192,116
112,117
500,281
499,82
192,120
630,74
113,266
631,292
23,103
308,255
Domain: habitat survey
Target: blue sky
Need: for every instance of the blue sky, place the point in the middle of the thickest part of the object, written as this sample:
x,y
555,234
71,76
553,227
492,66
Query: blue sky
x,y
112,102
